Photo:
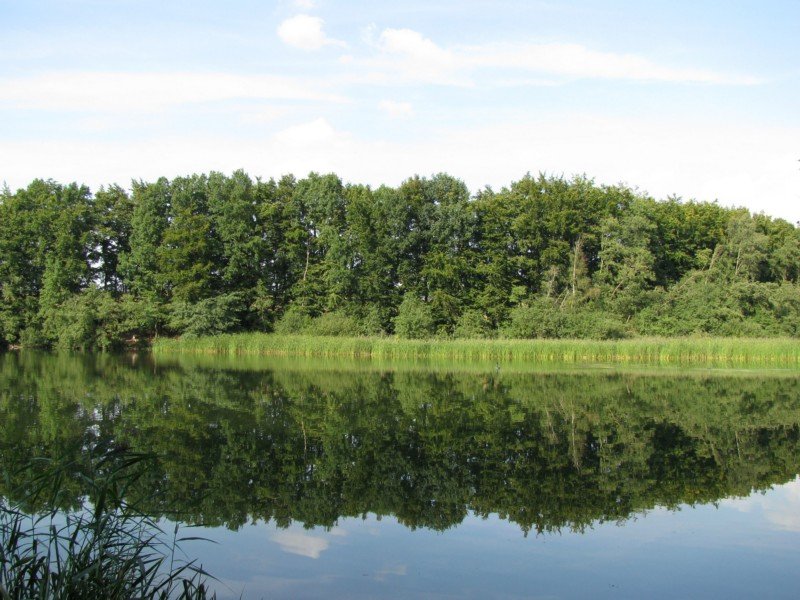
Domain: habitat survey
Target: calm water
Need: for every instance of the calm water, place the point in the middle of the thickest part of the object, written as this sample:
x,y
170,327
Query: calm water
x,y
345,480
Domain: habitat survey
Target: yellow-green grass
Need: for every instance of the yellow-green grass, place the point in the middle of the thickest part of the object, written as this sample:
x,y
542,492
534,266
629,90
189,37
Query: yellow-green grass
x,y
738,352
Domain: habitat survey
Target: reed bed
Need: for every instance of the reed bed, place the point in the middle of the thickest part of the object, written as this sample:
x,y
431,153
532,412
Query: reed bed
x,y
716,352
107,549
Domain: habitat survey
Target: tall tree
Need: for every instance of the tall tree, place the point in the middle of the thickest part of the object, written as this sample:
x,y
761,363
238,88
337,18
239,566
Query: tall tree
x,y
139,265
186,256
232,204
113,209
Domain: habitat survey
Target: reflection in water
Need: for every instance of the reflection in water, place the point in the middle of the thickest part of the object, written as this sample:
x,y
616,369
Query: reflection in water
x,y
547,451
301,543
781,508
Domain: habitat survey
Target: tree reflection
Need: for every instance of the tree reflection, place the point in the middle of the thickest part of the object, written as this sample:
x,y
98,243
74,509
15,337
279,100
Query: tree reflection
x,y
546,451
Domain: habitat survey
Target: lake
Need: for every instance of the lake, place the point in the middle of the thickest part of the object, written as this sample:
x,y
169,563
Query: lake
x,y
363,480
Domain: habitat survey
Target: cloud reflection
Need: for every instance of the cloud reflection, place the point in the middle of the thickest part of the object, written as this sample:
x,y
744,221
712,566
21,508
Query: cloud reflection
x,y
398,570
295,542
780,506
304,544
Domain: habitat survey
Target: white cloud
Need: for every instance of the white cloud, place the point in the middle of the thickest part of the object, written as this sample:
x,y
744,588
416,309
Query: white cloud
x,y
396,109
120,92
305,32
406,55
780,506
263,115
368,34
577,61
740,165
303,544
314,132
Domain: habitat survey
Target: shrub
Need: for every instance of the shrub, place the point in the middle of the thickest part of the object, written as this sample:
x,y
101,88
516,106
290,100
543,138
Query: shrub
x,y
414,319
472,324
73,323
591,322
294,321
539,319
785,302
335,323
219,314
370,320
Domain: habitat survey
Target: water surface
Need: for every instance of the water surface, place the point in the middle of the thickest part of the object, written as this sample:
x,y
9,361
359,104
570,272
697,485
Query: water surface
x,y
356,480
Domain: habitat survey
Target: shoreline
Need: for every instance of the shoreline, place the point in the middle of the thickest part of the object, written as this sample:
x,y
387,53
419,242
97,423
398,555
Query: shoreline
x,y
716,351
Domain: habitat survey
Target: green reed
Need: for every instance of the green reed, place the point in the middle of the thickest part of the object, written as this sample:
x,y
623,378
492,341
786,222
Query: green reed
x,y
106,549
772,352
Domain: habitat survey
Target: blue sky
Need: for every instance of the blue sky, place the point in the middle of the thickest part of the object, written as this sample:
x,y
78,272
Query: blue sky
x,y
696,99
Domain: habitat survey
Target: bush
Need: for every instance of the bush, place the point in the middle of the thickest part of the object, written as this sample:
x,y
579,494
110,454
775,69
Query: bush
x,y
539,319
95,319
785,301
335,323
32,337
294,321
472,324
72,324
414,319
589,322
220,314
544,318
702,303
141,317
370,320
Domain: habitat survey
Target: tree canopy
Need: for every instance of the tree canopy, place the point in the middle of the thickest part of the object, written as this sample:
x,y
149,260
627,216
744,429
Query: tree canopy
x,y
545,257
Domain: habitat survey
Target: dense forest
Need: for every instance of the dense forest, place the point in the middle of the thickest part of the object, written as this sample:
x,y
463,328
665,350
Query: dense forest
x,y
545,257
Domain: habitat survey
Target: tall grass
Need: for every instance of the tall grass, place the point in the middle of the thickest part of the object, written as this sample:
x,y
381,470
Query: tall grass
x,y
739,352
106,550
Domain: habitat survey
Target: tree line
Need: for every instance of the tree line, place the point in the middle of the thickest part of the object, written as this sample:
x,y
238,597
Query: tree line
x,y
545,257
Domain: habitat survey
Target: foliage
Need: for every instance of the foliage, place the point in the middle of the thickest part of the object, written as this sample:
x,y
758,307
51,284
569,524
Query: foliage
x,y
472,324
414,319
218,314
545,257
294,321
108,549
334,323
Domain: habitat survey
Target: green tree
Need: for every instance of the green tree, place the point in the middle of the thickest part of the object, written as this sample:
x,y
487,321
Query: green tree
x,y
233,206
745,245
187,253
626,262
139,265
113,209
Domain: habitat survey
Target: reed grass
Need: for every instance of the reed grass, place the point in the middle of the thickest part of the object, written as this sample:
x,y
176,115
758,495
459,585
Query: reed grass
x,y
717,352
106,550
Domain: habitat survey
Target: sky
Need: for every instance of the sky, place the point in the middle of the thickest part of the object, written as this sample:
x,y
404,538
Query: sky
x,y
695,99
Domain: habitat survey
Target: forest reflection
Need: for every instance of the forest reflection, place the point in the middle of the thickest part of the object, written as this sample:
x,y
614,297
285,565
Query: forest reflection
x,y
296,443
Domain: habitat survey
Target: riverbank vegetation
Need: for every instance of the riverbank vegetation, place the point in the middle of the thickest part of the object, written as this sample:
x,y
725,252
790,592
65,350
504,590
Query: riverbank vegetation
x,y
54,545
734,352
546,257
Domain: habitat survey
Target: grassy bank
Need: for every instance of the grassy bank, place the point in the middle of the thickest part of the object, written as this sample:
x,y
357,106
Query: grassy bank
x,y
777,352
